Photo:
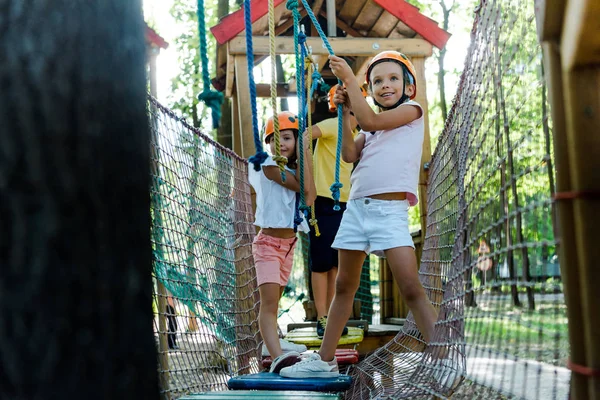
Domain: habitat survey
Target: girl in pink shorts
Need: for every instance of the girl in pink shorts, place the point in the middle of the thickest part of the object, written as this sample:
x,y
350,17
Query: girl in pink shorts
x,y
273,247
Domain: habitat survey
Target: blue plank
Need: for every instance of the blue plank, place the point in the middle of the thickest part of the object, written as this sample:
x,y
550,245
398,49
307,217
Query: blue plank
x,y
271,381
262,395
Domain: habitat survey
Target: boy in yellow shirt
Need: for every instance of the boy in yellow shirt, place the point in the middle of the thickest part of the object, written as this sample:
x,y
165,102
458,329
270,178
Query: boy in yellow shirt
x,y
324,259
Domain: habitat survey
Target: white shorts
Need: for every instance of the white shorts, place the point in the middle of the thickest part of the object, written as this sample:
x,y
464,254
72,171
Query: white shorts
x,y
372,226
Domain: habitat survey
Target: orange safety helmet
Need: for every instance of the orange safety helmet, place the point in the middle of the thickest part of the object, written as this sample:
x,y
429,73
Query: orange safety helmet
x,y
391,55
332,106
287,120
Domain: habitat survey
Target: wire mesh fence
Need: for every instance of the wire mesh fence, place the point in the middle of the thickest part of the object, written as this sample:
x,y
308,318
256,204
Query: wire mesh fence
x,y
205,301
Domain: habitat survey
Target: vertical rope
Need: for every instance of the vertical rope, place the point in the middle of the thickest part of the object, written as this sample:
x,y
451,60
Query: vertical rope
x,y
260,156
211,98
312,85
336,185
300,59
279,159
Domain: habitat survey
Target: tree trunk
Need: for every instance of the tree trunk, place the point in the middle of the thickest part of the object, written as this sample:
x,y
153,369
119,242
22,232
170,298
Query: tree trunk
x,y
281,79
499,103
441,57
75,287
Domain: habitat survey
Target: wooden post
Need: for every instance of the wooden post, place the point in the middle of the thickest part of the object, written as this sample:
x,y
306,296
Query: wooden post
x,y
163,346
582,106
568,33
567,253
421,98
244,109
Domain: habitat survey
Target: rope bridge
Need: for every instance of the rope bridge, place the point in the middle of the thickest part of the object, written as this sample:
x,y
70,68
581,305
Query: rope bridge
x,y
490,238
488,260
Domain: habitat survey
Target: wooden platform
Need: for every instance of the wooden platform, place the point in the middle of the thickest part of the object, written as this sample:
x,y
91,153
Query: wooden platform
x,y
309,338
379,335
262,395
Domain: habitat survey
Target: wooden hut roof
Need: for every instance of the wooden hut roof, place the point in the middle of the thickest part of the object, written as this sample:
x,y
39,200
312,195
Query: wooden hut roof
x,y
358,18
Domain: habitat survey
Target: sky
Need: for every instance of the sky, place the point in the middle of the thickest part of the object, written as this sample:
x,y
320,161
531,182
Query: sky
x,y
157,11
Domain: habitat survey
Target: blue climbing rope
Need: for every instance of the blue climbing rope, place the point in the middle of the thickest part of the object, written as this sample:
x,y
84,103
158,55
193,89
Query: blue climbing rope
x,y
336,185
260,156
211,98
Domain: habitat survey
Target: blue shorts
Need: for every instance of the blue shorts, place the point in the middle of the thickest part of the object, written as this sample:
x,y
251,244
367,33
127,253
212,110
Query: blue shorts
x,y
373,226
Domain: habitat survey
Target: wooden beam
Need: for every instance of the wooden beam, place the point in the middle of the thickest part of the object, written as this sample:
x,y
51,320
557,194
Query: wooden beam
x,y
421,98
288,24
367,17
582,102
229,78
341,46
567,250
417,21
344,26
320,60
245,148
549,15
580,39
350,10
283,90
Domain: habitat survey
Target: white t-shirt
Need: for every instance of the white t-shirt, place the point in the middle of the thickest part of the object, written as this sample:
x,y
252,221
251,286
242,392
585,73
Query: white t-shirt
x,y
275,204
390,161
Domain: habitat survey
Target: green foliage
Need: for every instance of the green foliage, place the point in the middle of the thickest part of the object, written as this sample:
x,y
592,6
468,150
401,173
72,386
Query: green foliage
x,y
186,86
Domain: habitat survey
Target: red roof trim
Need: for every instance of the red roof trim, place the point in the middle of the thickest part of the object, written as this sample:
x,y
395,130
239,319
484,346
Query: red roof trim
x,y
231,25
418,22
155,38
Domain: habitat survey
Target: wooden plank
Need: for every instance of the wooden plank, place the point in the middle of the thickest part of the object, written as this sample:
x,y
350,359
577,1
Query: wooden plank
x,y
580,40
384,25
567,251
341,46
417,21
246,137
261,26
229,79
367,17
233,23
350,10
321,60
283,90
549,15
344,26
261,395
582,105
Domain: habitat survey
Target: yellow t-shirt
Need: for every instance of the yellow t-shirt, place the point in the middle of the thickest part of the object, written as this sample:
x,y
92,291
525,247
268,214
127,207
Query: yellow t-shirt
x,y
324,161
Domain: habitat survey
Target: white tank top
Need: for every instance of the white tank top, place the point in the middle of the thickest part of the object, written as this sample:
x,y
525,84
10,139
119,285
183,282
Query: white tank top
x,y
390,161
275,204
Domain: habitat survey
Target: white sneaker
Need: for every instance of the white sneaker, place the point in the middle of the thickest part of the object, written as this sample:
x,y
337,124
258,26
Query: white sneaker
x,y
286,347
311,366
448,373
284,360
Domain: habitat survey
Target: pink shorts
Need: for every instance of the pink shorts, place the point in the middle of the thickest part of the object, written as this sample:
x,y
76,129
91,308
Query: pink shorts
x,y
273,258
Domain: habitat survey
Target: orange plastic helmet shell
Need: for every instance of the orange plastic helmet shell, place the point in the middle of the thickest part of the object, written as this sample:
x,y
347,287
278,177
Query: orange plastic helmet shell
x,y
391,55
287,120
332,106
